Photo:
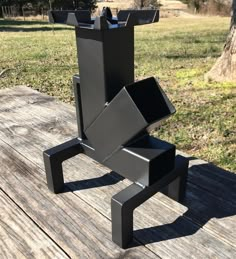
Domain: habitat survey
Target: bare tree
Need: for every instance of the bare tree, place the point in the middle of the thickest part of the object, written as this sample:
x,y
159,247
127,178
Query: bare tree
x,y
225,67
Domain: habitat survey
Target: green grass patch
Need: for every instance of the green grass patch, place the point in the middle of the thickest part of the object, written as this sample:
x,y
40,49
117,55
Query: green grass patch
x,y
178,51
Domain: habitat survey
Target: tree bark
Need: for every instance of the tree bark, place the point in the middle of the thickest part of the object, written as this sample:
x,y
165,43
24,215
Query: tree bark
x,y
225,67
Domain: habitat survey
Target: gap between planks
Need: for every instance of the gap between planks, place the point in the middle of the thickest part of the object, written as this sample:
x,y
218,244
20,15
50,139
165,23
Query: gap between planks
x,y
16,222
73,193
59,135
65,218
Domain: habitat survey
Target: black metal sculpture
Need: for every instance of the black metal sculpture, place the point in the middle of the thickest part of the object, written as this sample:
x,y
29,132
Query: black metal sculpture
x,y
114,114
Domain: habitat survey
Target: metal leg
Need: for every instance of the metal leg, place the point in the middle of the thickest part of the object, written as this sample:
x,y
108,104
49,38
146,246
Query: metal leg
x,y
124,203
176,189
53,159
122,207
54,173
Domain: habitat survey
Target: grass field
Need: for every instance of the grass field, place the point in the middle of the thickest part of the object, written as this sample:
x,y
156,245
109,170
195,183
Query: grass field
x,y
179,51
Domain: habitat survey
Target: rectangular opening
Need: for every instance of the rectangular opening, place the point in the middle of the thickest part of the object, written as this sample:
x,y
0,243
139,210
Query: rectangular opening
x,y
150,100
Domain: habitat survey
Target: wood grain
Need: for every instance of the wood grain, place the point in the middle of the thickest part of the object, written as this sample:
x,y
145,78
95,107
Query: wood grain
x,y
20,237
75,226
205,230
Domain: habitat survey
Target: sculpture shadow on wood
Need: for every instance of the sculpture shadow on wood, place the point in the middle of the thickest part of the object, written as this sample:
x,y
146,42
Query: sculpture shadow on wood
x,y
204,202
105,180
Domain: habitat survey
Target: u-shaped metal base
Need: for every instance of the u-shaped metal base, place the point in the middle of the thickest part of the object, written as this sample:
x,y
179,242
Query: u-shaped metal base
x,y
53,159
125,202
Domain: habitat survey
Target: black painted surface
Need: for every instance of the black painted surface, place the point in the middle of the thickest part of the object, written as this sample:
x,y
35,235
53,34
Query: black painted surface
x,y
113,115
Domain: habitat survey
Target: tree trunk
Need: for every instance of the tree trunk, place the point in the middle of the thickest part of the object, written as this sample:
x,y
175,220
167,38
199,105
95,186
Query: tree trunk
x,y
225,67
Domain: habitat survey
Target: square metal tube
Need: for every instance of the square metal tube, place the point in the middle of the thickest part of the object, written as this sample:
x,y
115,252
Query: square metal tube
x,y
113,115
106,64
144,161
131,111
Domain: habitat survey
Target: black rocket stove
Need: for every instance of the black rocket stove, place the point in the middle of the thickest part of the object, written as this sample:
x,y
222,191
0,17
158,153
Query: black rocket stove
x,y
115,114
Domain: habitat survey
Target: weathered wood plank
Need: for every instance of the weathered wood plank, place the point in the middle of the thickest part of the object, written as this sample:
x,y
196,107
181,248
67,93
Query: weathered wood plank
x,y
210,213
179,234
56,118
76,227
20,237
200,206
218,181
184,237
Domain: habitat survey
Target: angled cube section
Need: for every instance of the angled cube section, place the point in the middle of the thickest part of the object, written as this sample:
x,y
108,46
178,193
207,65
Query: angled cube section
x,y
145,161
132,110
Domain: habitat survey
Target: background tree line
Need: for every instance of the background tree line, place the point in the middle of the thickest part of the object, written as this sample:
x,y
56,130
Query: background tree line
x,y
48,4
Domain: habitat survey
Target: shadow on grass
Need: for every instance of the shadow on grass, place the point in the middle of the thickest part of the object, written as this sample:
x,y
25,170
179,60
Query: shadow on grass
x,y
18,26
24,29
191,56
21,23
